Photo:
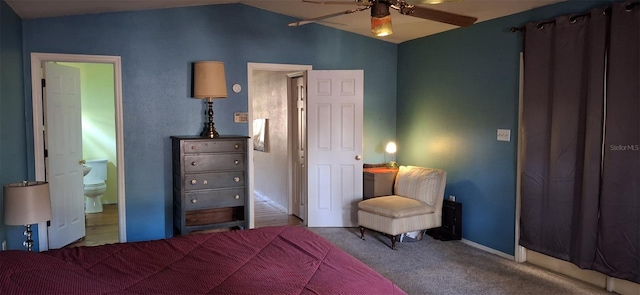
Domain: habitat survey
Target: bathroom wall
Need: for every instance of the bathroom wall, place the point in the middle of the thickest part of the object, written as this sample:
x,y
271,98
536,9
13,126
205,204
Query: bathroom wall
x,y
98,120
270,167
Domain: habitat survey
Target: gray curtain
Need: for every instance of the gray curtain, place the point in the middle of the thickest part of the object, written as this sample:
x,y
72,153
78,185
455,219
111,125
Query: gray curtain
x,y
571,195
618,246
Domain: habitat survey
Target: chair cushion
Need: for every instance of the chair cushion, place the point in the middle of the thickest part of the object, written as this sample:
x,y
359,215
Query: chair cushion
x,y
424,184
395,206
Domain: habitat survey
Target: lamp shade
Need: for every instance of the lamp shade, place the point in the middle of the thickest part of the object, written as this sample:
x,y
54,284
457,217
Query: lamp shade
x,y
391,147
381,27
26,203
381,20
209,80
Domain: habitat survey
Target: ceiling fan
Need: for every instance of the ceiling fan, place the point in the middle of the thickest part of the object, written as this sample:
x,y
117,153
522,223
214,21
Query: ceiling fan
x,y
381,17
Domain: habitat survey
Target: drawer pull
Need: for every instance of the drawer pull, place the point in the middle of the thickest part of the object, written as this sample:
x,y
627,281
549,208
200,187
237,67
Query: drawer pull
x,y
193,147
194,201
236,162
237,197
236,146
236,179
193,163
194,182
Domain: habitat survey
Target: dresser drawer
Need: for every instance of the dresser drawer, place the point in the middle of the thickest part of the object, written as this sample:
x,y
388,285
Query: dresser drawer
x,y
214,180
213,162
214,199
219,146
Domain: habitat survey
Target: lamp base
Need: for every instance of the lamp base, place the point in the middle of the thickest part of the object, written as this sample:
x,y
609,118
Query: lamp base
x,y
209,130
392,164
29,242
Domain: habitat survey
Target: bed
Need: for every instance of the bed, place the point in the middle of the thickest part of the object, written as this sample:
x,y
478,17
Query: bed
x,y
270,260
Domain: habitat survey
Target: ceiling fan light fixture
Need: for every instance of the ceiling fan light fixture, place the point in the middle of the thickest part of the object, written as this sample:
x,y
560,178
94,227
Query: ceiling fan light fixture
x,y
381,27
381,20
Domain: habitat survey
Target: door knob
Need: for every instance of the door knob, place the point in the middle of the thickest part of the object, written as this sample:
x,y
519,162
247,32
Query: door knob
x,y
358,157
82,162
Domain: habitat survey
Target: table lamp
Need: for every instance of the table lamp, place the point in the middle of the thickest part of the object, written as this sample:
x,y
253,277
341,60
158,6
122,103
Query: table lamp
x,y
209,82
25,204
391,149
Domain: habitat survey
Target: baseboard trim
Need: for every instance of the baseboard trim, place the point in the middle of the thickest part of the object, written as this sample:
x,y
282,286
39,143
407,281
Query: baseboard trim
x,y
487,249
271,202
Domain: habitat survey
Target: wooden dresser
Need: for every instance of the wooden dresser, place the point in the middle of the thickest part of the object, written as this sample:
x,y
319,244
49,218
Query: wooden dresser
x,y
378,182
210,187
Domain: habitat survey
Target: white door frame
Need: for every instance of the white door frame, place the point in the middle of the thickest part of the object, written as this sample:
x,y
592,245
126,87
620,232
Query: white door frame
x,y
251,66
38,145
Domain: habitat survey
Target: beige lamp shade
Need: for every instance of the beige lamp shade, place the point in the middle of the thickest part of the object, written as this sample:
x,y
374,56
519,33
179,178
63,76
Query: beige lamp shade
x,y
26,203
209,80
391,147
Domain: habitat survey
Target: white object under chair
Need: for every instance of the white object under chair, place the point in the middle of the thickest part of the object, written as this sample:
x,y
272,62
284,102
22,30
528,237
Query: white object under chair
x,y
415,205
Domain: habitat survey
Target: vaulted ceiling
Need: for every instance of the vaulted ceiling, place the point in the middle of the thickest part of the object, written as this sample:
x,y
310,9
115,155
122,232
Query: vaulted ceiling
x,y
405,27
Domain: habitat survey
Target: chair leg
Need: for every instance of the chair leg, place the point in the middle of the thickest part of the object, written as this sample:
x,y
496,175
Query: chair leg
x,y
362,232
393,242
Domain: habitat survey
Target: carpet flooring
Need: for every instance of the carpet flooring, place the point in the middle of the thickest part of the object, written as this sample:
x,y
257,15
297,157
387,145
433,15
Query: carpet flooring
x,y
431,266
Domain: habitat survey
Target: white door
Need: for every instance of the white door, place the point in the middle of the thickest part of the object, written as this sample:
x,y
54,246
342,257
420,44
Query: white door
x,y
299,175
334,147
63,143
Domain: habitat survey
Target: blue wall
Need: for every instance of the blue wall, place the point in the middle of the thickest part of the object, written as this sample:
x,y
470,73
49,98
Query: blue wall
x,y
452,91
13,163
157,48
455,89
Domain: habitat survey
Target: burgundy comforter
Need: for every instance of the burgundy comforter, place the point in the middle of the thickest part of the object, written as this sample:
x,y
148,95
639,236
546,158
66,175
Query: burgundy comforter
x,y
271,260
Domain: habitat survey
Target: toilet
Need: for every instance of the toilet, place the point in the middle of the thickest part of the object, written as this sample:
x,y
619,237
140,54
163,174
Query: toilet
x,y
94,185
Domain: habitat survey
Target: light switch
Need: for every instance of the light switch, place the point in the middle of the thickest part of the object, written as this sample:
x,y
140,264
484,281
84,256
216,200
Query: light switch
x,y
240,117
504,135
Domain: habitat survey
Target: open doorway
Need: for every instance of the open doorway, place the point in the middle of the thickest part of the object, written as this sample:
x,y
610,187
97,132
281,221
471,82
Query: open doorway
x,y
104,149
273,95
98,153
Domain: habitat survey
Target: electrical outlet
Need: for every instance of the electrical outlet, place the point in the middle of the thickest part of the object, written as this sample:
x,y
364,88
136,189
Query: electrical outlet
x,y
452,198
4,245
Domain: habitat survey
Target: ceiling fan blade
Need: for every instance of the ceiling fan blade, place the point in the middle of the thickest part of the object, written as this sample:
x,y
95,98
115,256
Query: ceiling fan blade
x,y
355,2
438,15
313,20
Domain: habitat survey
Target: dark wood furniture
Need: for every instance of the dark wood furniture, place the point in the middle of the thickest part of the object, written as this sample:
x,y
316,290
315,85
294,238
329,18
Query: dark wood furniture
x,y
210,187
377,182
451,228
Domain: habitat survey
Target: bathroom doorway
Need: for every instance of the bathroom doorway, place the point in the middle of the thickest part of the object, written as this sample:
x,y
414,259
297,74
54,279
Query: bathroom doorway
x,y
98,153
101,140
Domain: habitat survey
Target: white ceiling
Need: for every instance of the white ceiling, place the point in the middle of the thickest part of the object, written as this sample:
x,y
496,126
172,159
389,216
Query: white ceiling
x,y
405,28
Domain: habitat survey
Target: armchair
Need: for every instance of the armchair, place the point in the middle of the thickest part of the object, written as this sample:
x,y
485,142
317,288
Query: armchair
x,y
415,205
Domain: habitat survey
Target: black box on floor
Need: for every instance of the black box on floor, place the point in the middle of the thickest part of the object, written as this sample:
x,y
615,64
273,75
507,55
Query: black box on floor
x,y
451,228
